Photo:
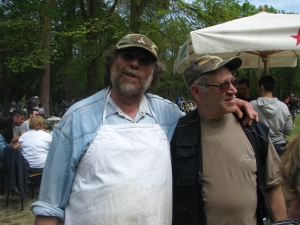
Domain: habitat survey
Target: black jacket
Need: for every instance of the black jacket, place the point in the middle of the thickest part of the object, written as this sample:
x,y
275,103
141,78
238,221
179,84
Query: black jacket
x,y
187,169
2,172
16,168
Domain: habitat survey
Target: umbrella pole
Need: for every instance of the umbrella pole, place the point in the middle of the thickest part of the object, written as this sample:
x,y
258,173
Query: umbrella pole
x,y
264,58
265,69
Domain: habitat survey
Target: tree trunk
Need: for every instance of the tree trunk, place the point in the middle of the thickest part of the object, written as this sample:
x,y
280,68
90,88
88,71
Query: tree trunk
x,y
45,72
91,85
68,53
4,86
6,89
137,8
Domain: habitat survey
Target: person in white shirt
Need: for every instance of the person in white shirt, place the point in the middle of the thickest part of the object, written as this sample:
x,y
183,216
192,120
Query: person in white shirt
x,y
35,144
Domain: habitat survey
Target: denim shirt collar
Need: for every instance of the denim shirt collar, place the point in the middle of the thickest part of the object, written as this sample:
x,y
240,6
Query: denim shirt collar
x,y
144,109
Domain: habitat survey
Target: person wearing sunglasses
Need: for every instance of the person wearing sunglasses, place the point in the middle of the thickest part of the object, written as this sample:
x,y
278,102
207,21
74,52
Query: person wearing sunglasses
x,y
25,126
223,172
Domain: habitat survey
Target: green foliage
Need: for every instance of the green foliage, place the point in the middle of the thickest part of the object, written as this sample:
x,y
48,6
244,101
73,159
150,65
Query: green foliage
x,y
81,34
248,10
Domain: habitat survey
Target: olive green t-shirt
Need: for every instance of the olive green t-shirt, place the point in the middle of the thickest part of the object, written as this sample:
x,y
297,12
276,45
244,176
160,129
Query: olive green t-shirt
x,y
229,167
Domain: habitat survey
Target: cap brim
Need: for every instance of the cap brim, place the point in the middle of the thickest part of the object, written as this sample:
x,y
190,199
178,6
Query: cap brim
x,y
136,46
232,63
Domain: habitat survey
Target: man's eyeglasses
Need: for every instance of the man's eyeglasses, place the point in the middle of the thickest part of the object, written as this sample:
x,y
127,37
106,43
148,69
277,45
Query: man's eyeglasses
x,y
223,86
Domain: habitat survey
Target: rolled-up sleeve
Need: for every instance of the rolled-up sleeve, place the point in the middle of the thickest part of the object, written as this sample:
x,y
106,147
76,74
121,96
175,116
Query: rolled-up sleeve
x,y
57,177
71,139
44,209
272,173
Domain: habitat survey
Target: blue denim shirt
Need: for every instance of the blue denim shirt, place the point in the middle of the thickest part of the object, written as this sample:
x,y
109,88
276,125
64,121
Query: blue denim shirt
x,y
3,143
76,131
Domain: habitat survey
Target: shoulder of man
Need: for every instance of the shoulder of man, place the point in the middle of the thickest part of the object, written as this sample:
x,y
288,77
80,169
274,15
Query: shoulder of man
x,y
253,102
187,126
255,126
283,105
191,117
187,131
155,98
24,126
84,114
163,107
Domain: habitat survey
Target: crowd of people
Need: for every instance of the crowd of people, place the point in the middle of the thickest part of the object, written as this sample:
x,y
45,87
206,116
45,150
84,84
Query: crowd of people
x,y
109,161
30,137
185,106
27,105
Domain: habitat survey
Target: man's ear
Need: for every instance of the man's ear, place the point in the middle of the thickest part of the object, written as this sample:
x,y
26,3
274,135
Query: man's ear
x,y
197,94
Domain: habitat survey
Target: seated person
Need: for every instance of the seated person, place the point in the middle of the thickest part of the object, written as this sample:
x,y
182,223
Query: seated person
x,y
13,104
18,117
6,131
35,144
25,126
40,109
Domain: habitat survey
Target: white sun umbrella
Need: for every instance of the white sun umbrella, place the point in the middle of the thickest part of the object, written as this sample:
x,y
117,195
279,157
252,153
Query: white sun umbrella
x,y
263,40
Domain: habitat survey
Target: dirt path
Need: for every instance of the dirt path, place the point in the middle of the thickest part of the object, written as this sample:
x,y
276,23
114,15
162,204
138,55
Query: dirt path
x,y
12,214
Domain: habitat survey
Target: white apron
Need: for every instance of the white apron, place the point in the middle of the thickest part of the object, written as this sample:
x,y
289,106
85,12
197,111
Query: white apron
x,y
125,177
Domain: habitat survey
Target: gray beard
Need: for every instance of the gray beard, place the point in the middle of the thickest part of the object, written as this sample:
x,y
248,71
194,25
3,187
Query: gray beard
x,y
129,87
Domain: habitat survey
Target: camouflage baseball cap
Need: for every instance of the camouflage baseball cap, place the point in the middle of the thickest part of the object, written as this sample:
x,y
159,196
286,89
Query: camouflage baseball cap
x,y
208,63
139,41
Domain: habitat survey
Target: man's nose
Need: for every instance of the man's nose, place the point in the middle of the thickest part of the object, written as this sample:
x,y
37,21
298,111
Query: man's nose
x,y
134,62
232,89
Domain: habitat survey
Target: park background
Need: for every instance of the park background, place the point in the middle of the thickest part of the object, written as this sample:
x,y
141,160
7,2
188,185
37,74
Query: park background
x,y
54,49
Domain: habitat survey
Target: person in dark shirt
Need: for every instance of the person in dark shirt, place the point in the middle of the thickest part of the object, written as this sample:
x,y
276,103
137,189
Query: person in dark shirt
x,y
243,90
293,106
214,167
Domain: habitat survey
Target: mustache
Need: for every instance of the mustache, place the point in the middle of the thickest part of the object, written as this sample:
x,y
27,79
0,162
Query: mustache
x,y
131,72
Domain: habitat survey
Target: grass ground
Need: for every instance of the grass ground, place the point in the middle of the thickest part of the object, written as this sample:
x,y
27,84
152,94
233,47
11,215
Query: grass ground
x,y
12,214
296,129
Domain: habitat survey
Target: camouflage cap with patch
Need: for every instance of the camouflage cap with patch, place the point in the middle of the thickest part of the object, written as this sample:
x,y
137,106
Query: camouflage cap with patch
x,y
140,41
208,63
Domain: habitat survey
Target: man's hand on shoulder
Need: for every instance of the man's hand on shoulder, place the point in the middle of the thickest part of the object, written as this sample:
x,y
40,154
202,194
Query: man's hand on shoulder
x,y
245,107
